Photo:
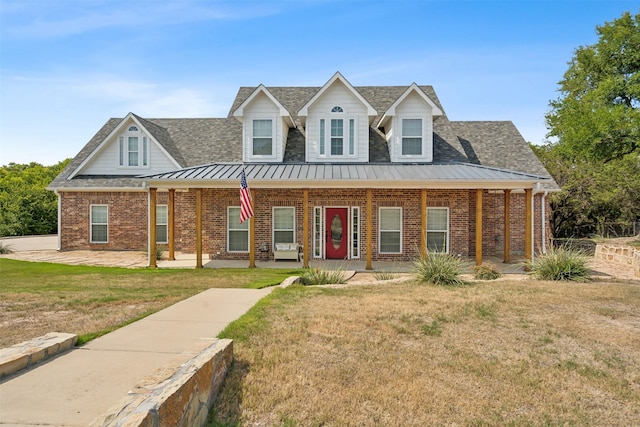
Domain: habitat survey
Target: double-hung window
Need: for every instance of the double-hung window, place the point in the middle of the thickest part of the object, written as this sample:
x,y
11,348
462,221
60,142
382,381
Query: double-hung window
x,y
262,134
438,230
411,137
134,149
390,233
237,234
99,229
284,225
162,224
337,134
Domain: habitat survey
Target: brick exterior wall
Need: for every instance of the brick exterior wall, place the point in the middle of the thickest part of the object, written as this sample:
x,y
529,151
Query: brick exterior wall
x,y
128,219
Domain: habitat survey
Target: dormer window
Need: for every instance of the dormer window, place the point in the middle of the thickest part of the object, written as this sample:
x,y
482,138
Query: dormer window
x,y
133,149
262,138
341,132
411,137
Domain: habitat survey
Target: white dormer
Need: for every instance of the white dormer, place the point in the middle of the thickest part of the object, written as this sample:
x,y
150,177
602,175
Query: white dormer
x,y
337,120
408,126
129,149
265,126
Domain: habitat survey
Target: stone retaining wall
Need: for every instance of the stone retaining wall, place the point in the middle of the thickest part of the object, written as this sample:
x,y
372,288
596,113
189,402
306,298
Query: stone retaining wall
x,y
182,400
28,353
619,254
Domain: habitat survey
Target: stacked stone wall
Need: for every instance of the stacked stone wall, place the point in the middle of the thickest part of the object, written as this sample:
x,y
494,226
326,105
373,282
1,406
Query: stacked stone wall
x,y
619,254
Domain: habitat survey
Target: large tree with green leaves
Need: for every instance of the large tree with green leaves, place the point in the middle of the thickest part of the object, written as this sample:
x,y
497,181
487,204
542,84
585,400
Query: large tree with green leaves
x,y
26,206
597,116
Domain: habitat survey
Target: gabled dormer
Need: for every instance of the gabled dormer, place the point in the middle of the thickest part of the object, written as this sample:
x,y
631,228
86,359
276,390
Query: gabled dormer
x,y
408,126
134,147
265,126
337,120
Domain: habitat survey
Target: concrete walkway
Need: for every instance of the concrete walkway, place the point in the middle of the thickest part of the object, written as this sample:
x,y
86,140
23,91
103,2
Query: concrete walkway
x,y
78,387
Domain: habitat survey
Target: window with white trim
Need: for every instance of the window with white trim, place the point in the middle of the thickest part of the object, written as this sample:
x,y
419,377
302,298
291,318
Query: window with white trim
x,y
237,233
99,220
317,232
262,137
162,224
284,225
133,149
390,230
438,230
412,137
338,134
355,232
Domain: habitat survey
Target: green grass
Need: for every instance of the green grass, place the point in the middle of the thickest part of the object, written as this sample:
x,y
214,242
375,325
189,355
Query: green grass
x,y
91,301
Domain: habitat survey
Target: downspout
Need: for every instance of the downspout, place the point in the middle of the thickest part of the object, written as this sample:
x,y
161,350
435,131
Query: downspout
x,y
543,222
59,219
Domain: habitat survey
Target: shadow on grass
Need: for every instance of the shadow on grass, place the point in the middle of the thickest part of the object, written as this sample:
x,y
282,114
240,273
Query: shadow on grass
x,y
227,407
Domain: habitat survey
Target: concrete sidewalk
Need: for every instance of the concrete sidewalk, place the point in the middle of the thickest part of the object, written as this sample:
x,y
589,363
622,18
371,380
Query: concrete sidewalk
x,y
79,386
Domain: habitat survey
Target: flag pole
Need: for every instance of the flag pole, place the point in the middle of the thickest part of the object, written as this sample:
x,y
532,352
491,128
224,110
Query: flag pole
x,y
246,212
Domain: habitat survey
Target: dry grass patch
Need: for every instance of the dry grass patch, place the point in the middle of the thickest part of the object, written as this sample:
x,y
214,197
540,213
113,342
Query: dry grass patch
x,y
508,353
37,298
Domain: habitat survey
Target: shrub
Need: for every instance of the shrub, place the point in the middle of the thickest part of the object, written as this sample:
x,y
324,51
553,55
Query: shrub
x,y
317,276
486,271
439,269
4,248
384,275
561,264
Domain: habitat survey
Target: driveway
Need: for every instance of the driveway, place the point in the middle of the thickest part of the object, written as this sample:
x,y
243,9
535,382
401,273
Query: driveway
x,y
31,243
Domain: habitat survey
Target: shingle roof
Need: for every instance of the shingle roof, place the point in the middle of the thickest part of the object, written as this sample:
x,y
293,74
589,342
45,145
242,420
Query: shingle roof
x,y
202,141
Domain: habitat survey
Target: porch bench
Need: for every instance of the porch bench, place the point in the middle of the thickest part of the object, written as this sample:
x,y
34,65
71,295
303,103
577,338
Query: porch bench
x,y
286,251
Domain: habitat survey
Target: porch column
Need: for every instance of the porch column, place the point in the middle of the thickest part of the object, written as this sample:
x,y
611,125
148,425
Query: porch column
x,y
369,227
171,225
507,226
252,232
528,224
152,227
423,228
305,228
478,226
198,227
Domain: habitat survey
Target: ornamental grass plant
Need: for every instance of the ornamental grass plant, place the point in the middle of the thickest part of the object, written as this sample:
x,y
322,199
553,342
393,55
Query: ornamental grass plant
x,y
561,263
439,269
318,276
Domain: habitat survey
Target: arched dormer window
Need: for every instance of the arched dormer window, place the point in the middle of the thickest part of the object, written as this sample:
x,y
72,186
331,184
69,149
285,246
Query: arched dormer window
x,y
337,109
133,149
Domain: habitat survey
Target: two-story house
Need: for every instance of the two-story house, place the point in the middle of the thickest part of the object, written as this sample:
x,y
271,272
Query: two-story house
x,y
370,173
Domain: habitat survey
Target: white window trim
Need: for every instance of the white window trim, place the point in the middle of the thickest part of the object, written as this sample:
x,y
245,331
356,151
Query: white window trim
x,y
440,231
91,224
401,136
166,224
355,233
318,231
380,228
237,229
143,149
324,144
273,139
273,223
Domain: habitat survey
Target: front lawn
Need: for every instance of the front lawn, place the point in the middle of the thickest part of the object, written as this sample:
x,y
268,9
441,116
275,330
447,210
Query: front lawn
x,y
503,353
36,298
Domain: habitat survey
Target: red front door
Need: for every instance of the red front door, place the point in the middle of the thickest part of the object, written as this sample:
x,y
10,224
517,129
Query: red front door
x,y
337,231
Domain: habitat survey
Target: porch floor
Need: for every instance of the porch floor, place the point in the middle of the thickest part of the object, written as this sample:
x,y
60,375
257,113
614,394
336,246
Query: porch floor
x,y
516,266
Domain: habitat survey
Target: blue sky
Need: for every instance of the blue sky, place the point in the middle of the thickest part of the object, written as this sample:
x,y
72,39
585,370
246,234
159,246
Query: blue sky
x,y
66,66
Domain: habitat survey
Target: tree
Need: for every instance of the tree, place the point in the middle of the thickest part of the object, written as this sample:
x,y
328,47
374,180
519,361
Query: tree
x,y
26,206
597,115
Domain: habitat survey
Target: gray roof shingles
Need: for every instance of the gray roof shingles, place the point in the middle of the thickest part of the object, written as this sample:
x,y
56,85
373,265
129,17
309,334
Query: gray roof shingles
x,y
201,141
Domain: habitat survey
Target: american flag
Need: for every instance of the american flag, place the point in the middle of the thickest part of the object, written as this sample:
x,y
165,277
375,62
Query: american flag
x,y
246,209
